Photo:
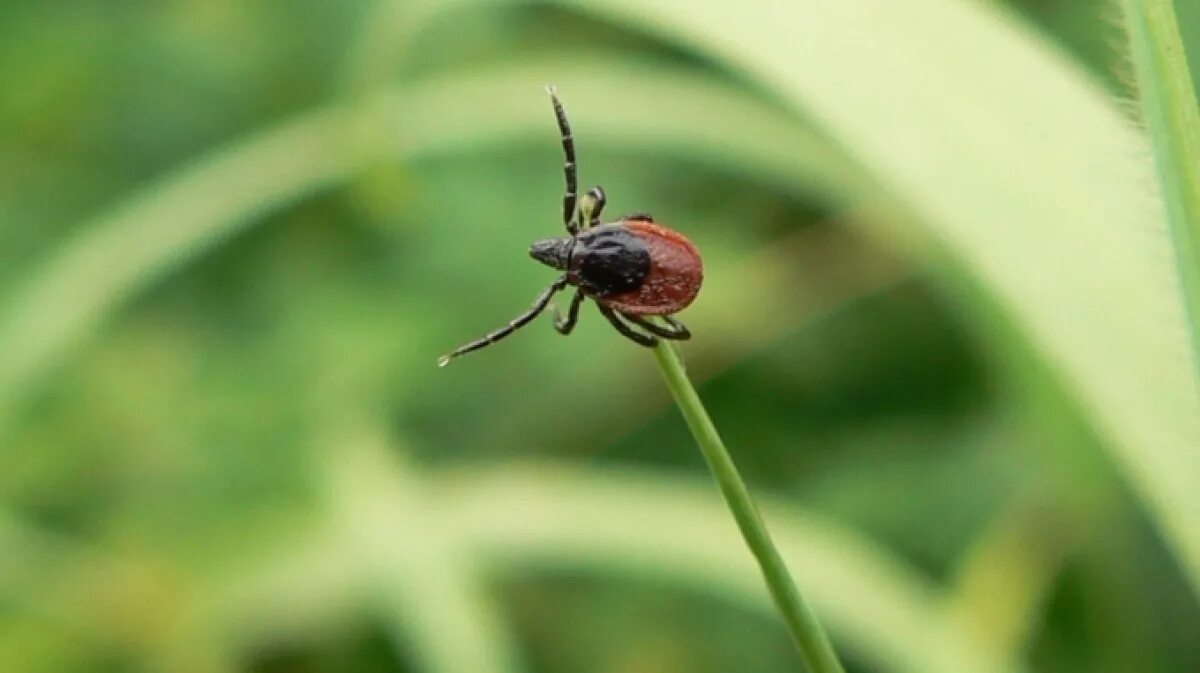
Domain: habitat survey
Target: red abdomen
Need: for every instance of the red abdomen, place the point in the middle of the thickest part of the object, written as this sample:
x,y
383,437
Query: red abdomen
x,y
676,273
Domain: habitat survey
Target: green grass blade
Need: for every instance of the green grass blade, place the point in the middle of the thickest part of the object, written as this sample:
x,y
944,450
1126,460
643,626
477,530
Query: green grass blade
x,y
802,623
1170,111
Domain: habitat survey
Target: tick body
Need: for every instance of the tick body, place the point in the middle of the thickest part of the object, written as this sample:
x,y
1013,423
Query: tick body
x,y
633,268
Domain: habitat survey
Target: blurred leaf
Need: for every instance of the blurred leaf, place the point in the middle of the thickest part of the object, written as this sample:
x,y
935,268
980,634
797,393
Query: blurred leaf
x,y
1170,111
675,530
535,517
100,604
1005,577
418,573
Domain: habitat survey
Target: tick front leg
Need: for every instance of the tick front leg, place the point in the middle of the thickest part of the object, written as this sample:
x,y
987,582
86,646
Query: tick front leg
x,y
513,325
676,330
627,331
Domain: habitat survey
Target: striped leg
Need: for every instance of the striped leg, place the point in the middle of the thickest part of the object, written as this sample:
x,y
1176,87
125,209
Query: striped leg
x,y
569,171
513,325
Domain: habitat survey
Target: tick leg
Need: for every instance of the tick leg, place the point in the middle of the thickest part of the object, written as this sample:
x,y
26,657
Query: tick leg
x,y
569,171
513,325
627,331
564,326
590,207
675,330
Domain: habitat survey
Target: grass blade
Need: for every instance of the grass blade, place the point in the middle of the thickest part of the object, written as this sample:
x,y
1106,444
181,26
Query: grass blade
x,y
802,623
1170,110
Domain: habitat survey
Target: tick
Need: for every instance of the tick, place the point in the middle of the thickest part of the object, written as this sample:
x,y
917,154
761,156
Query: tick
x,y
633,268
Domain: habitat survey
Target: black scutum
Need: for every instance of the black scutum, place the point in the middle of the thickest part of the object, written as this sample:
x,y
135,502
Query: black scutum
x,y
609,260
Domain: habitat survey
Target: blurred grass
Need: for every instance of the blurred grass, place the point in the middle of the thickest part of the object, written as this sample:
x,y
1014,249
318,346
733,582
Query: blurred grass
x,y
1172,117
138,240
940,323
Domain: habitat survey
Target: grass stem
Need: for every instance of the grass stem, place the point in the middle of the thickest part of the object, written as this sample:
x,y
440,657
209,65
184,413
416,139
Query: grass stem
x,y
801,622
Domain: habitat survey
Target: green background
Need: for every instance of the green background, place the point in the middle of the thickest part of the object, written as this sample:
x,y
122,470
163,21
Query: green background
x,y
939,333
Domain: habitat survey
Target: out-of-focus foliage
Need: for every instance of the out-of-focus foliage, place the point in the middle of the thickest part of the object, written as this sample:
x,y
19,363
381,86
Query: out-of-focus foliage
x,y
939,331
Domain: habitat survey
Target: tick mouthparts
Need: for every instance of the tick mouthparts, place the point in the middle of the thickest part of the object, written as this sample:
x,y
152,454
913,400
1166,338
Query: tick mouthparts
x,y
552,252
